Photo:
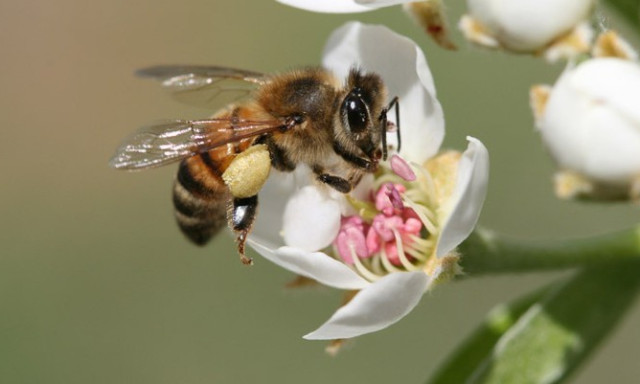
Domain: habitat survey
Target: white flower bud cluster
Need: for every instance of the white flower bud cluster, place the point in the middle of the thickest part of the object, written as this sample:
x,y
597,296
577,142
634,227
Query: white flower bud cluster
x,y
590,119
590,123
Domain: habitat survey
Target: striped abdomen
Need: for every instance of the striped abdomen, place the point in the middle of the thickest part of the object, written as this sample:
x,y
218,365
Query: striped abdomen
x,y
200,196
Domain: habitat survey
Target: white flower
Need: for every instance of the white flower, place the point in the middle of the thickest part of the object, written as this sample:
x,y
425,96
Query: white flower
x,y
418,224
428,14
341,6
530,26
591,124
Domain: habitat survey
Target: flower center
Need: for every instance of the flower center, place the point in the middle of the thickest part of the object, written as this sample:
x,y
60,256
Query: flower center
x,y
395,230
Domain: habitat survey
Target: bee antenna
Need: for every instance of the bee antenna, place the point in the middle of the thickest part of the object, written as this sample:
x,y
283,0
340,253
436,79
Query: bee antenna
x,y
384,126
395,102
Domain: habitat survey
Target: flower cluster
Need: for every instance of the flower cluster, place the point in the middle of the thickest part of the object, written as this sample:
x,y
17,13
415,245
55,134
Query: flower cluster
x,y
395,235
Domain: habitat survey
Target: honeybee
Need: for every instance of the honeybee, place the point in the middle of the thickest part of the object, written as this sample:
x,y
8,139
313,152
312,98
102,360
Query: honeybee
x,y
304,116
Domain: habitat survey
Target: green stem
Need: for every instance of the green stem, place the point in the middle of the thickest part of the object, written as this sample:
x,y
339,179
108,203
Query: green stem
x,y
487,252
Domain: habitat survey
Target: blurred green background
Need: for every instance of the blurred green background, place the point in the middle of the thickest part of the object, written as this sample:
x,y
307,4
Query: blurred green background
x,y
98,286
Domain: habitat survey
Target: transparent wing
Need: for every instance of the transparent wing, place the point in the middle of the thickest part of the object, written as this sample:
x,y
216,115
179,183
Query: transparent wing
x,y
205,86
165,142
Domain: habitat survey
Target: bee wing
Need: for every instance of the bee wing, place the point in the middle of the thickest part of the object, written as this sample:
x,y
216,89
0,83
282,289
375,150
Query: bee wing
x,y
165,142
204,86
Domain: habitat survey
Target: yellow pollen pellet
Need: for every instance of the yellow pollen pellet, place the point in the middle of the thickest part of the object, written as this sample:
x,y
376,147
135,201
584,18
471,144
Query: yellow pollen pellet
x,y
248,172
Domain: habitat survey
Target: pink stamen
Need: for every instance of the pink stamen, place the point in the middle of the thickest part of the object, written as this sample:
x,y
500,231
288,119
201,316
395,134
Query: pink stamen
x,y
412,226
391,250
381,234
373,241
401,168
385,225
388,199
351,238
395,222
395,198
409,213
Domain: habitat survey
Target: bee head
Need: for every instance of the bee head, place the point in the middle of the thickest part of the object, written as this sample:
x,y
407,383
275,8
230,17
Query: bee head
x,y
362,116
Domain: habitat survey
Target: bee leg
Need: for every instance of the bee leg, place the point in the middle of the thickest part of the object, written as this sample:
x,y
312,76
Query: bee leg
x,y
241,218
360,162
336,182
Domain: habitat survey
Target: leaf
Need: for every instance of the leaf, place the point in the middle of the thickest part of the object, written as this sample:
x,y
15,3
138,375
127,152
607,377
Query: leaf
x,y
479,345
545,336
628,9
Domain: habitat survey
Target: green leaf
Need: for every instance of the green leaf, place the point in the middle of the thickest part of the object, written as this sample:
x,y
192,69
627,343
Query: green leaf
x,y
545,336
629,9
474,351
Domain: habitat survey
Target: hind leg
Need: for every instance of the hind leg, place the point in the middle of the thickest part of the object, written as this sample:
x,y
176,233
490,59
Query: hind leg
x,y
242,215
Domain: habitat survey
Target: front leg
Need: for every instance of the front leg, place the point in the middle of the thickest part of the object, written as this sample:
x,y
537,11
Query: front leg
x,y
338,183
368,165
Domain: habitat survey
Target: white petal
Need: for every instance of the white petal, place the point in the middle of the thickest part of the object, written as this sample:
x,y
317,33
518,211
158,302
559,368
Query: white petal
x,y
311,219
271,203
467,198
613,143
374,308
341,6
527,25
314,265
611,80
273,199
404,69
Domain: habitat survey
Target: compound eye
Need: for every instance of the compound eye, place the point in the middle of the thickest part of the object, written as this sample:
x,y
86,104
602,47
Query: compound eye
x,y
356,111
